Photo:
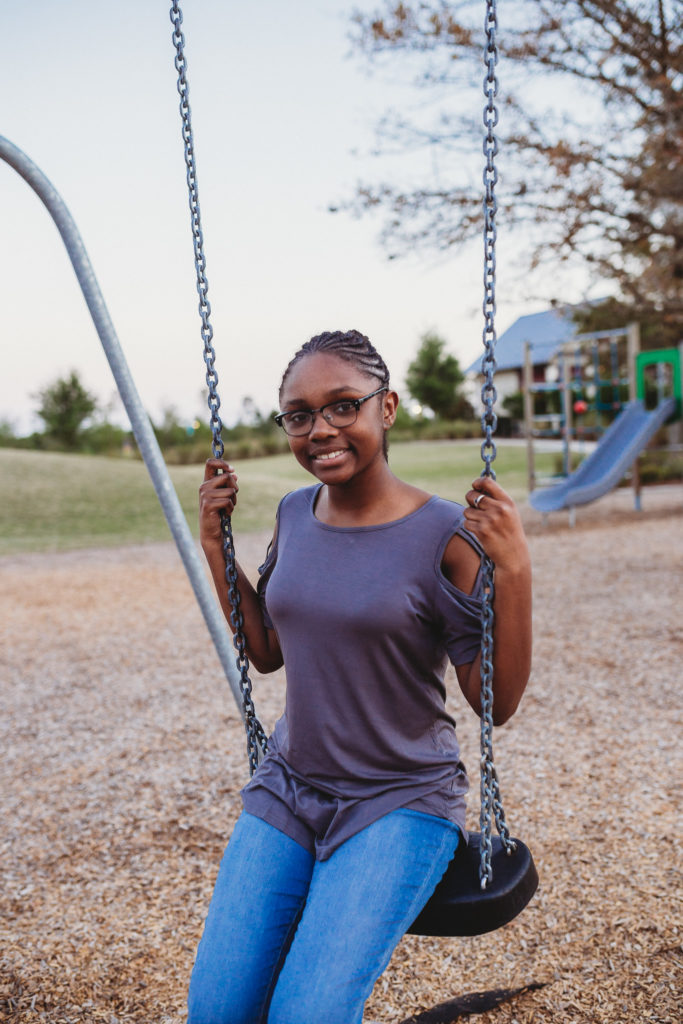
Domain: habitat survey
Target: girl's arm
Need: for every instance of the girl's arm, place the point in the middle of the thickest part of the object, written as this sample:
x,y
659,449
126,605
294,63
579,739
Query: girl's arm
x,y
219,491
497,526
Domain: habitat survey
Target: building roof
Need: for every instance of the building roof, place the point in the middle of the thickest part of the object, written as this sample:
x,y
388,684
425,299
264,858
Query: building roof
x,y
546,332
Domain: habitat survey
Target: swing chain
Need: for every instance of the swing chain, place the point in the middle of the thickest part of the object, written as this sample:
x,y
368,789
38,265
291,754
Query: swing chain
x,y
256,737
489,420
489,788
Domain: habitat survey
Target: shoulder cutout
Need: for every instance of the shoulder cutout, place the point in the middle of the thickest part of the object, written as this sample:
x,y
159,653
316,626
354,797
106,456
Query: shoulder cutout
x,y
460,564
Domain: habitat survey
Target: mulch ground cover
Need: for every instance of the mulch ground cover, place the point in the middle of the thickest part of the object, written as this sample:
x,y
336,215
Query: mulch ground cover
x,y
123,757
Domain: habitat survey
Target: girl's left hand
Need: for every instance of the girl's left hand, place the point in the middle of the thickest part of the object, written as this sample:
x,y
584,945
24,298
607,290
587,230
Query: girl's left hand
x,y
492,516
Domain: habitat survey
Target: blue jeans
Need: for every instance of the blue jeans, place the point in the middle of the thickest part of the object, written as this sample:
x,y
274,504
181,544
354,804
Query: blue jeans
x,y
343,917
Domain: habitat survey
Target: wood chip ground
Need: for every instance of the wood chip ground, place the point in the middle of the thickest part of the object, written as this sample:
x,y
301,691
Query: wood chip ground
x,y
122,760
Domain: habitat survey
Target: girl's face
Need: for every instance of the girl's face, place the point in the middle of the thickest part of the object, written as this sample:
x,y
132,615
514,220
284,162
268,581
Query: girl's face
x,y
335,455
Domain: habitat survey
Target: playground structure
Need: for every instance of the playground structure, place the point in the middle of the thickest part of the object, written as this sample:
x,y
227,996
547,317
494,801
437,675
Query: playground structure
x,y
599,387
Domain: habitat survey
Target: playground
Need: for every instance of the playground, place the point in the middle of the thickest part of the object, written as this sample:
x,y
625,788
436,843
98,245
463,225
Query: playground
x,y
640,398
124,752
124,757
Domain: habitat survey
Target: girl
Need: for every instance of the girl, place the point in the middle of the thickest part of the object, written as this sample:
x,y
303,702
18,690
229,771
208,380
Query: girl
x,y
369,586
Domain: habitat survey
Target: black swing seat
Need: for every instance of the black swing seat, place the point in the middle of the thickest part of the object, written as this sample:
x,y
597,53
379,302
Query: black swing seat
x,y
459,906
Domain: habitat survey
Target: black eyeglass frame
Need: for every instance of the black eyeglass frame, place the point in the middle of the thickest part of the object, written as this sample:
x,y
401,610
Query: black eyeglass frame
x,y
280,418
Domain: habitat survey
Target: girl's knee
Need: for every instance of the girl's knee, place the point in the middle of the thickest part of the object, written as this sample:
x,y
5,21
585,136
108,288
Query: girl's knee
x,y
211,1004
294,1015
297,1015
308,1008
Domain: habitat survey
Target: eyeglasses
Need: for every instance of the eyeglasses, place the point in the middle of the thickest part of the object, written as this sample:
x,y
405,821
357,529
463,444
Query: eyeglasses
x,y
342,413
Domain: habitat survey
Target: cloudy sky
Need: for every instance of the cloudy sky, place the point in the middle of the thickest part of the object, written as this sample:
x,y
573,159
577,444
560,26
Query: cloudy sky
x,y
284,120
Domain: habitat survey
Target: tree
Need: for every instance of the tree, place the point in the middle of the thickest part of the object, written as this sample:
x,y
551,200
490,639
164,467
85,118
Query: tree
x,y
600,178
65,406
655,332
7,433
171,431
433,379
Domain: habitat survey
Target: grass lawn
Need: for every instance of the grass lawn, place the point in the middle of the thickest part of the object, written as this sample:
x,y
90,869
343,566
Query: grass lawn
x,y
53,501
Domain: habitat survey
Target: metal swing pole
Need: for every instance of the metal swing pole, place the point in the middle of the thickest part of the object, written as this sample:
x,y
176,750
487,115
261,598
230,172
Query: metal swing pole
x,y
139,420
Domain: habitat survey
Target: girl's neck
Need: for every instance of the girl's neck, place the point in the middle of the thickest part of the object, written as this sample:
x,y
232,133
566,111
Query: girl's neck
x,y
368,502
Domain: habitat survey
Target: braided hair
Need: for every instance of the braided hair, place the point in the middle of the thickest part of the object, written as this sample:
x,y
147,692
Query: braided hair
x,y
351,346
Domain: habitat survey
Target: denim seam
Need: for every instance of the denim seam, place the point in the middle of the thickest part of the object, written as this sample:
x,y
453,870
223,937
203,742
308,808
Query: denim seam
x,y
279,964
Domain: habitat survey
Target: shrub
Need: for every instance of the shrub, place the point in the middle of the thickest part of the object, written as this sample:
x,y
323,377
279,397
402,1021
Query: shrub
x,y
660,467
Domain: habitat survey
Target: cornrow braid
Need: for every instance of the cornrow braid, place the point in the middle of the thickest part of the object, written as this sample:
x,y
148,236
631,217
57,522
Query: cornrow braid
x,y
352,346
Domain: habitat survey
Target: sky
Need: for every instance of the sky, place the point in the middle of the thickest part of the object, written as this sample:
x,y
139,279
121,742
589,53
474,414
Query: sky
x,y
284,116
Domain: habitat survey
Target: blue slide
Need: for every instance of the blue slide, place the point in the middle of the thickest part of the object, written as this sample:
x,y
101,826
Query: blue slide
x,y
604,468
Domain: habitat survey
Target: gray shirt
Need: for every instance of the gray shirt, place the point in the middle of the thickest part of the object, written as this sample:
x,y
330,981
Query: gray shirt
x,y
366,621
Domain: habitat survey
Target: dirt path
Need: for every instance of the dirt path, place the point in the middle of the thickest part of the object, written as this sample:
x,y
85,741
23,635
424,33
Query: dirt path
x,y
122,759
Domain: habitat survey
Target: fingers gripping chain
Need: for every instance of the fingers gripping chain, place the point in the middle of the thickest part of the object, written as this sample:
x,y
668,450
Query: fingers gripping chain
x,y
256,737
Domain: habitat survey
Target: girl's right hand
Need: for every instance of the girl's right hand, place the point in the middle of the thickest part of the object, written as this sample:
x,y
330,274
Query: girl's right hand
x,y
217,493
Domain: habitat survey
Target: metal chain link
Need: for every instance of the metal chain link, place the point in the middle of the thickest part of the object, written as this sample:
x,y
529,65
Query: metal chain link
x,y
491,803
489,420
256,737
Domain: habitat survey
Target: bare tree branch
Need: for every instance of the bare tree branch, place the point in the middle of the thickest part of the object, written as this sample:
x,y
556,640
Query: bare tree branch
x,y
599,178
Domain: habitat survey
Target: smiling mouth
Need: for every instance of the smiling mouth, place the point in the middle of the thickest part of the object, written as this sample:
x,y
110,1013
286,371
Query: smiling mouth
x,y
329,456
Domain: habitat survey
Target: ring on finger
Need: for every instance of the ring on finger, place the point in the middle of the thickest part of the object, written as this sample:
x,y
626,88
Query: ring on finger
x,y
479,498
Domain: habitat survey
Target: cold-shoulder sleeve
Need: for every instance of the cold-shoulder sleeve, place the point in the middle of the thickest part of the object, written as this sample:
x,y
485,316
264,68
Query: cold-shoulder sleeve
x,y
458,613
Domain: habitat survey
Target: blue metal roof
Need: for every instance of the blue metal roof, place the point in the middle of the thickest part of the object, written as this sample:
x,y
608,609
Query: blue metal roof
x,y
546,332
